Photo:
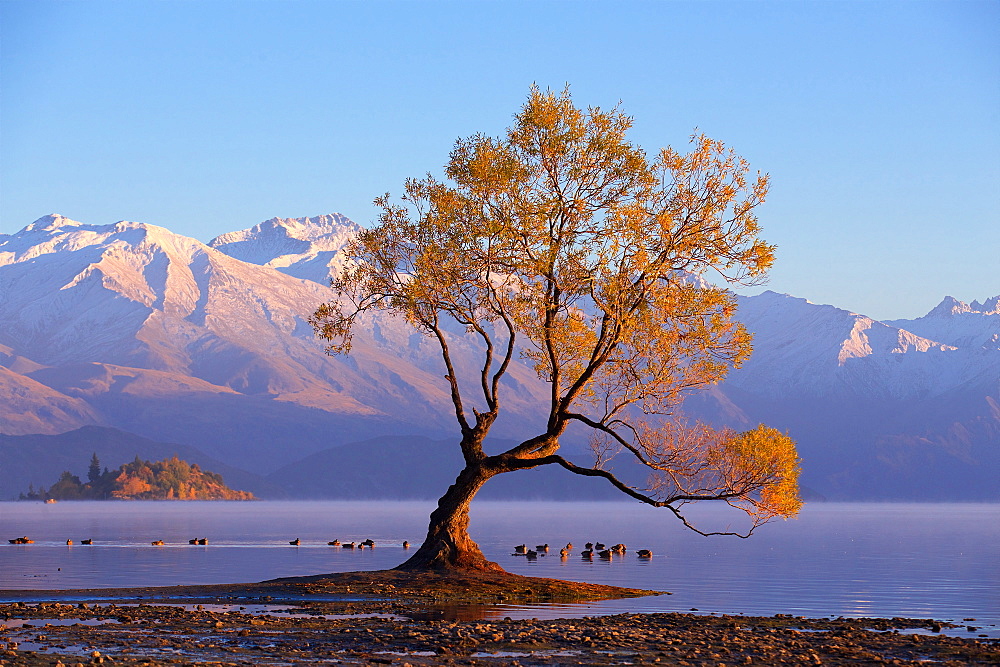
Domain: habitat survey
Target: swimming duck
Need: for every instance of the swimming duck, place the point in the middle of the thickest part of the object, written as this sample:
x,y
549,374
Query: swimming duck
x,y
296,542
157,543
335,543
520,549
644,553
406,545
86,541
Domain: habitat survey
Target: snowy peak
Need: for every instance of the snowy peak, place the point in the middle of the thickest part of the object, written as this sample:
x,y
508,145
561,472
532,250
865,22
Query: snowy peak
x,y
57,235
806,348
136,294
325,231
988,307
307,248
952,306
965,325
868,337
949,306
51,221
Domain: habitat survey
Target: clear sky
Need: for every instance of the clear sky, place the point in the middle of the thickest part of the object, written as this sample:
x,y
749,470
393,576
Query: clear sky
x,y
879,122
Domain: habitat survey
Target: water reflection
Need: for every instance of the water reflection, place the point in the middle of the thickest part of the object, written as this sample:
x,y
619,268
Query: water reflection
x,y
924,561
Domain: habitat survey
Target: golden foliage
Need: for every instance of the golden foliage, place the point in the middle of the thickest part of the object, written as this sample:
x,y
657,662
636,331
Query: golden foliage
x,y
130,486
565,243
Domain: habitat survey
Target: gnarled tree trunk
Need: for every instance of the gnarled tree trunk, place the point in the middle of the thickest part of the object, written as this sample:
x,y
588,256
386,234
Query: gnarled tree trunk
x,y
448,545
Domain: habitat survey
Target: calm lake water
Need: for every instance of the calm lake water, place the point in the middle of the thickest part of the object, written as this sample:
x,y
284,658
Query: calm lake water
x,y
937,561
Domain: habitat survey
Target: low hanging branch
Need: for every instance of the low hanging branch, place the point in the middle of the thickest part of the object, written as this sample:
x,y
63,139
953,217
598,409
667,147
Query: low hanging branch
x,y
564,243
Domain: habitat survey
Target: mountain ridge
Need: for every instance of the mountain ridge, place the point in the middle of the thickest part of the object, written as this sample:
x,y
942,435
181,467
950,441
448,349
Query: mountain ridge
x,y
129,325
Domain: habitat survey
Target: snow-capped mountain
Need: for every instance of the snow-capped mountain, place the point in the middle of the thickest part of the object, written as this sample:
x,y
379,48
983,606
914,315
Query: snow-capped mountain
x,y
307,248
975,325
879,410
131,326
801,348
142,323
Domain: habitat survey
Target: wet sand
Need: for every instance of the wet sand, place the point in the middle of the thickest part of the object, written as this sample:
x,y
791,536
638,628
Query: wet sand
x,y
388,617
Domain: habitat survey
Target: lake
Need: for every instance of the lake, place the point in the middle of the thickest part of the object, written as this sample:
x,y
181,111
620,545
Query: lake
x,y
937,561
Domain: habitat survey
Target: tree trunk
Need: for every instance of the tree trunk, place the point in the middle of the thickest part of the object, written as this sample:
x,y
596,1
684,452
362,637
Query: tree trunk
x,y
448,545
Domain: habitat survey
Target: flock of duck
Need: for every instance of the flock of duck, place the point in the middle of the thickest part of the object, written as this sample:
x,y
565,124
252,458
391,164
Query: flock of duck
x,y
369,543
590,548
603,551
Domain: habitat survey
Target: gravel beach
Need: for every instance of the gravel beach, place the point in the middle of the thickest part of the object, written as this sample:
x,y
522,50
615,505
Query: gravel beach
x,y
388,617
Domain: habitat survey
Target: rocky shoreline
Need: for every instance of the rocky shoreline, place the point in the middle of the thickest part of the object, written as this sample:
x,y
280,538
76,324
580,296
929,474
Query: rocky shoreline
x,y
382,618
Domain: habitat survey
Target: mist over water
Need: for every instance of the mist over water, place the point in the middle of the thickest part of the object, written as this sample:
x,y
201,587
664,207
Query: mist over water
x,y
836,559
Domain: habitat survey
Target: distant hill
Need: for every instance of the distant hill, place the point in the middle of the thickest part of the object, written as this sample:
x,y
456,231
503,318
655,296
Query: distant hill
x,y
416,467
38,460
169,479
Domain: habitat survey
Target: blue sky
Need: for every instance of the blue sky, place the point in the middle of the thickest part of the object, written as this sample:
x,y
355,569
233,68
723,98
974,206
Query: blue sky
x,y
879,122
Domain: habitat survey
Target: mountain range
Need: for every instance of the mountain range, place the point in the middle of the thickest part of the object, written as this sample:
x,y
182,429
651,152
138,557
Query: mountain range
x,y
133,331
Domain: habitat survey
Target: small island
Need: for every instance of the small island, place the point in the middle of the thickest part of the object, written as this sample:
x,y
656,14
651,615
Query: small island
x,y
170,479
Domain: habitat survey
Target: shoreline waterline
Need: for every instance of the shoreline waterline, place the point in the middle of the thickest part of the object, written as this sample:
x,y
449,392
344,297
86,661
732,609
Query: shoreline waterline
x,y
379,617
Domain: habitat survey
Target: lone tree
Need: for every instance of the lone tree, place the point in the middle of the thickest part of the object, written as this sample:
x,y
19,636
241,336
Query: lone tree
x,y
565,244
94,471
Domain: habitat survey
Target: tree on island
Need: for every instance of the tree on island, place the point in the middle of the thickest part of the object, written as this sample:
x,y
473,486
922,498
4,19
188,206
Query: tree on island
x,y
563,243
94,471
170,479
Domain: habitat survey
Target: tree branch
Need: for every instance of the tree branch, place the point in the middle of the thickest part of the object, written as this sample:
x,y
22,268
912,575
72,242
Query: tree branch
x,y
641,497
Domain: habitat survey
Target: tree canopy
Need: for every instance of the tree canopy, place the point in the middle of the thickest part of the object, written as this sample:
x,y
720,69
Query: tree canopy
x,y
565,244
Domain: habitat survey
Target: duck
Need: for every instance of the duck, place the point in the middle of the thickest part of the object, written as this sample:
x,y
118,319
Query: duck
x,y
406,545
203,541
588,545
587,554
644,553
605,554
569,546
69,543
86,541
157,543
542,548
21,540
335,543
370,543
348,545
520,549
193,540
618,549
531,554
563,553
599,546
296,542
